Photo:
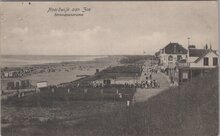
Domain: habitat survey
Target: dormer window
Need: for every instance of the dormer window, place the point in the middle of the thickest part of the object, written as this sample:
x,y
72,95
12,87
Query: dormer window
x,y
179,57
170,58
174,48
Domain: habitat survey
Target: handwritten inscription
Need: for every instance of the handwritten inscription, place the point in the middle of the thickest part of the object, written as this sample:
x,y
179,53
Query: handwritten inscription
x,y
67,11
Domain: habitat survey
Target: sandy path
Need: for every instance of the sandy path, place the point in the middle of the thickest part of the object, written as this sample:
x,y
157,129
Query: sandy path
x,y
144,94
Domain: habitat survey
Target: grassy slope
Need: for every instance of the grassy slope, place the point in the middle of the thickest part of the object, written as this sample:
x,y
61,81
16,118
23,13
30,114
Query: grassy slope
x,y
189,111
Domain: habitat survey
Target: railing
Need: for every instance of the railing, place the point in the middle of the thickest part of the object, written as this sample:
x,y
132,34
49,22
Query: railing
x,y
183,65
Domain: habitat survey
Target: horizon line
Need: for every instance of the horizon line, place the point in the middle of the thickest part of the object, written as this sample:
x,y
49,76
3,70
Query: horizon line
x,y
70,55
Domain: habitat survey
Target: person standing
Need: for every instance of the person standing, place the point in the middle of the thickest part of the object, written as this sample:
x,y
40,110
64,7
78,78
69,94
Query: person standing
x,y
150,76
171,80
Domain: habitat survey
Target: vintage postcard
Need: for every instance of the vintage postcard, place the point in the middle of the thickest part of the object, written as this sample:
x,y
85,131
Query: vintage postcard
x,y
113,68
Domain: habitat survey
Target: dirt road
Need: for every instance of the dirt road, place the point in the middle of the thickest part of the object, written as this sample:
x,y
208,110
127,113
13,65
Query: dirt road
x,y
144,94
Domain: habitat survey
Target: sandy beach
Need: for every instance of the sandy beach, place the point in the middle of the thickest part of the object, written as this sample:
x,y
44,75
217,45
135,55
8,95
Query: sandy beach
x,y
56,73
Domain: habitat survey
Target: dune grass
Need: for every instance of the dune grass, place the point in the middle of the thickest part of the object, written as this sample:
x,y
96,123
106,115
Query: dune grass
x,y
191,110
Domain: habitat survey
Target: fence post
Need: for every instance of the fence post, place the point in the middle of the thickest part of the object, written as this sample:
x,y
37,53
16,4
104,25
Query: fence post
x,y
101,91
68,90
128,103
37,90
120,95
52,90
85,90
133,101
19,95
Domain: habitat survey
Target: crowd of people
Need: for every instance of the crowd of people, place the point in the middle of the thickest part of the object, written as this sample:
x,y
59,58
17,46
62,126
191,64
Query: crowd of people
x,y
149,82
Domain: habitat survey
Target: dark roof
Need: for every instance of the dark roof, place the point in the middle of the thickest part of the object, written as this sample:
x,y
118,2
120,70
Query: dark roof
x,y
157,53
175,48
197,52
191,47
206,52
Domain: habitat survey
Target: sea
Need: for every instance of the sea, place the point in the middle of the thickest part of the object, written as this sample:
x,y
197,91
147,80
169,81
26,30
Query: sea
x,y
22,60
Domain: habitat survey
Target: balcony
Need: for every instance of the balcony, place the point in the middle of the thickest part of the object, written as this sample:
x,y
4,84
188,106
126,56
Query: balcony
x,y
183,65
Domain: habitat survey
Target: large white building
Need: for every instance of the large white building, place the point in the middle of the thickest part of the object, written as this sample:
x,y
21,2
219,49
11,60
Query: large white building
x,y
197,63
170,55
182,64
202,58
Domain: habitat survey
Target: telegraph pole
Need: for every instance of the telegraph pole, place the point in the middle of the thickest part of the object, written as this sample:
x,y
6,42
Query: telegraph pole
x,y
188,40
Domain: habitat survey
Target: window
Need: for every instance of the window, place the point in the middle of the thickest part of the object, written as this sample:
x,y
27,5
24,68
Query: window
x,y
215,61
185,75
206,61
179,57
170,58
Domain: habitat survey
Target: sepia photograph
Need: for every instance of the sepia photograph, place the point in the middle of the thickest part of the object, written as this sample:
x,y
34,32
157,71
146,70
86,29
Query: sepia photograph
x,y
109,68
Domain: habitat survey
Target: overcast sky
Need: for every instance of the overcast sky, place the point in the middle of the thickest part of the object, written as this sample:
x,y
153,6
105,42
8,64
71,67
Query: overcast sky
x,y
109,28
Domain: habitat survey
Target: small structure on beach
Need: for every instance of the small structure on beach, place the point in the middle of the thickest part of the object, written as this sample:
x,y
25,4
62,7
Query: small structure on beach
x,y
10,74
15,72
18,84
42,84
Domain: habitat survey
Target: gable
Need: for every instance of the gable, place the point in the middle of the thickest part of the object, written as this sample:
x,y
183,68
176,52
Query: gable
x,y
210,53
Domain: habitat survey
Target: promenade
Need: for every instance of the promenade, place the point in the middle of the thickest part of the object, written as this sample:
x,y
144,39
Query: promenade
x,y
143,94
